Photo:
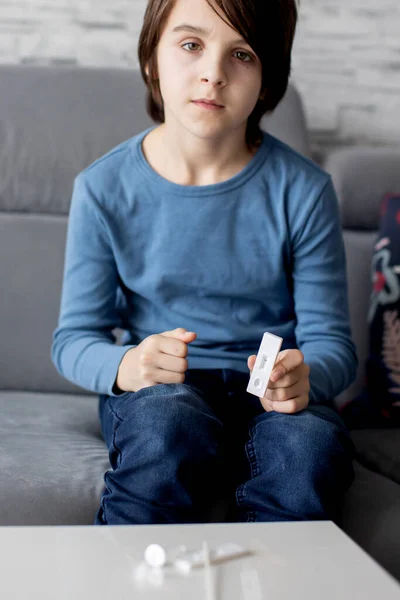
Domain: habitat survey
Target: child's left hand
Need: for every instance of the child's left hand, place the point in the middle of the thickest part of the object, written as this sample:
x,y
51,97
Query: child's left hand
x,y
289,384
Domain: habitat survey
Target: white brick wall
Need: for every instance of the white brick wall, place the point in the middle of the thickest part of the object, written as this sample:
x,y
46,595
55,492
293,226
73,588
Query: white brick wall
x,y
346,63
346,57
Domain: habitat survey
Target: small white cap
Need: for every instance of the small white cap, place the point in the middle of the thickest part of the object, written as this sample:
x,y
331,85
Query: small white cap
x,y
155,555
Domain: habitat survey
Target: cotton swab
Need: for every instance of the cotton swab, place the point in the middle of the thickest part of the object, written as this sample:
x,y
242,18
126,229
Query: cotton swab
x,y
208,578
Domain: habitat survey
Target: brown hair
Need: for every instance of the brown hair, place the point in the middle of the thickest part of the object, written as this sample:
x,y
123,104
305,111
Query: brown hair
x,y
268,26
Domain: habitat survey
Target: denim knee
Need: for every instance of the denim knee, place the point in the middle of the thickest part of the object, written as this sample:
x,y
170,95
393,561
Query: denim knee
x,y
300,465
324,421
161,397
166,444
312,438
167,419
312,429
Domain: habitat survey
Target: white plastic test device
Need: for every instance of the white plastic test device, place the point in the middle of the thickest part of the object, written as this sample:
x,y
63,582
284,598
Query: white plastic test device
x,y
268,351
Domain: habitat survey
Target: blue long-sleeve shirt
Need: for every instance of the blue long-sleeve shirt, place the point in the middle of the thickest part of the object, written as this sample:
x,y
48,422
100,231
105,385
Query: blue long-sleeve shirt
x,y
261,251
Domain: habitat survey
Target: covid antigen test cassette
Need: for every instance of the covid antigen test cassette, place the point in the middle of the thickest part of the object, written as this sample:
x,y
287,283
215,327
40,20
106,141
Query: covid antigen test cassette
x,y
269,349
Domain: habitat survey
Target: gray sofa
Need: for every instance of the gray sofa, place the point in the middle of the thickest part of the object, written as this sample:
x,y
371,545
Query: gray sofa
x,y
53,123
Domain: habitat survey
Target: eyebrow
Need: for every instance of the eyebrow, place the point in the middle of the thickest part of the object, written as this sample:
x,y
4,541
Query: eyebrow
x,y
202,31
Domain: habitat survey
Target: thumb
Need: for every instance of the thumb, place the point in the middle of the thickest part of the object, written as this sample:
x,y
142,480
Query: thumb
x,y
181,333
251,361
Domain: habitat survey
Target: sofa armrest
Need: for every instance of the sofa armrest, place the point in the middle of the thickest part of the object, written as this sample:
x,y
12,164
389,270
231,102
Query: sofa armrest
x,y
362,177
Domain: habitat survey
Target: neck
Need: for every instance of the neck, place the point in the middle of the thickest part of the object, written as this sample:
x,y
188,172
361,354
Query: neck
x,y
190,160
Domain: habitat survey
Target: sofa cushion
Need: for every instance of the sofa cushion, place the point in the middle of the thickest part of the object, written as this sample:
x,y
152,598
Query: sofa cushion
x,y
52,459
54,122
379,450
288,122
31,266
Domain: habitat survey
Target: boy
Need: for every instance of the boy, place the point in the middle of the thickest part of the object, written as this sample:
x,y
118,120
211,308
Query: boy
x,y
195,237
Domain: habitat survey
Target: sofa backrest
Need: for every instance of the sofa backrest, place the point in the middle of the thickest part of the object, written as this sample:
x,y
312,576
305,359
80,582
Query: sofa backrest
x,y
55,121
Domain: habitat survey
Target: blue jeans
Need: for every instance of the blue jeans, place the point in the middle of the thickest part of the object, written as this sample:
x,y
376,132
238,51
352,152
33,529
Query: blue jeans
x,y
178,449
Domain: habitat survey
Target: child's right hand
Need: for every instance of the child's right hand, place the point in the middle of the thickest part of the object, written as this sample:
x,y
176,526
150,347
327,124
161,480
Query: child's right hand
x,y
159,358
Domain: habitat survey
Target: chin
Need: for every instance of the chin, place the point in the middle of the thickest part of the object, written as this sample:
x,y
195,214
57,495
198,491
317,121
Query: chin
x,y
207,131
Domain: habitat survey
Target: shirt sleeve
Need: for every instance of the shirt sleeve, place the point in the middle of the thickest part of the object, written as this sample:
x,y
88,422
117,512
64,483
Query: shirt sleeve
x,y
320,298
84,349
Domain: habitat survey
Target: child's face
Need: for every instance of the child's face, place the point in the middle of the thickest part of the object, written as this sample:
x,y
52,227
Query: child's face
x,y
214,64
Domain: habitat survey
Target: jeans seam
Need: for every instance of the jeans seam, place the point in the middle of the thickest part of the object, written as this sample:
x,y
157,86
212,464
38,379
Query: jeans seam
x,y
113,410
251,515
114,443
251,454
103,516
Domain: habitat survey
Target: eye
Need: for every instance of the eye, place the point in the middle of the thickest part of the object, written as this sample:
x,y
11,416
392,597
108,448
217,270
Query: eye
x,y
191,44
243,56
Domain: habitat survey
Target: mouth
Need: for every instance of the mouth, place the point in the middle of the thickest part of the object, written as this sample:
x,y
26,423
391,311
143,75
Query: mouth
x,y
207,103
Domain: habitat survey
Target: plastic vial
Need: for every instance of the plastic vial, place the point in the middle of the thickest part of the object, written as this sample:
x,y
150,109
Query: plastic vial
x,y
155,555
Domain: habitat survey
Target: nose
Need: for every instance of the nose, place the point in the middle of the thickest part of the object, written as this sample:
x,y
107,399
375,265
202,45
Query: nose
x,y
213,73
213,81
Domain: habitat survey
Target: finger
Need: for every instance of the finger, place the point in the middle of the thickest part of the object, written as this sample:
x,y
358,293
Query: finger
x,y
172,347
162,376
291,406
251,361
285,394
291,378
287,360
171,363
180,334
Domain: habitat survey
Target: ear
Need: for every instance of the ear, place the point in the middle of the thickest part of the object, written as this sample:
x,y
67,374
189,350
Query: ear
x,y
263,95
148,75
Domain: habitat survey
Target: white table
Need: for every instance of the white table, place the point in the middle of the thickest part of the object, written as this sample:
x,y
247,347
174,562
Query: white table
x,y
311,560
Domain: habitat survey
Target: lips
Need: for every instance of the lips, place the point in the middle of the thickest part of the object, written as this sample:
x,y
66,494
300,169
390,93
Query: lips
x,y
208,101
